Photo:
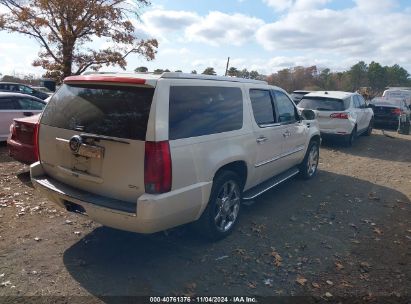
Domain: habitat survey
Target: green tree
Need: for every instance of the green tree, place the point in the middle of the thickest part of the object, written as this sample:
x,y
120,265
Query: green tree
x,y
254,75
397,76
377,76
209,71
193,72
158,71
233,72
358,75
141,69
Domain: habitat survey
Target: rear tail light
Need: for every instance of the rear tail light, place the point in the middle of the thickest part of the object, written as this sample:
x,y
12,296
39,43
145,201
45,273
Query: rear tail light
x,y
157,167
339,115
396,111
13,130
36,141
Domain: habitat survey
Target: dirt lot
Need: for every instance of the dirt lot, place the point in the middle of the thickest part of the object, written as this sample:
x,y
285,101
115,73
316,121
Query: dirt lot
x,y
347,232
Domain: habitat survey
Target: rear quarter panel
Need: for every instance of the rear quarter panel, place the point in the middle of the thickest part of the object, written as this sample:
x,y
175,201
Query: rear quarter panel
x,y
197,159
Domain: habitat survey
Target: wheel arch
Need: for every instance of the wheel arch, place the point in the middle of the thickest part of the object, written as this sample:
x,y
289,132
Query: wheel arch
x,y
239,167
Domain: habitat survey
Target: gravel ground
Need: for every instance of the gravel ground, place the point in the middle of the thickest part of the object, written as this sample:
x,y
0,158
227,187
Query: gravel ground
x,y
347,232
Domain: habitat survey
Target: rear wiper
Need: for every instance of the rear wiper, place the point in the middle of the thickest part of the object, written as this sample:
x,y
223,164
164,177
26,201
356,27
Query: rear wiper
x,y
101,137
323,109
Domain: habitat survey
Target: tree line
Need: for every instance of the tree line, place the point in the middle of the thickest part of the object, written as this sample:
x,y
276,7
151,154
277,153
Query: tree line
x,y
373,77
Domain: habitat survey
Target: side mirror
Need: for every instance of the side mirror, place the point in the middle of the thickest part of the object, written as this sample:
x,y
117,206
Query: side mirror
x,y
307,114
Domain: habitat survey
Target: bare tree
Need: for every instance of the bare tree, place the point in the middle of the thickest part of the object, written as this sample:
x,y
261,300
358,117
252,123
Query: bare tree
x,y
63,29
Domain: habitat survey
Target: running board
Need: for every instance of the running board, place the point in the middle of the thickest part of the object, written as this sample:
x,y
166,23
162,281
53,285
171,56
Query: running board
x,y
269,184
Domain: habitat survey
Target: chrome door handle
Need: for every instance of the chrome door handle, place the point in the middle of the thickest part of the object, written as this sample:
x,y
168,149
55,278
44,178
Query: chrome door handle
x,y
261,139
286,133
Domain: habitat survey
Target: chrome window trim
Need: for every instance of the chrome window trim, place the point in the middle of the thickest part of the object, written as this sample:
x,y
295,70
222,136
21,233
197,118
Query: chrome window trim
x,y
298,149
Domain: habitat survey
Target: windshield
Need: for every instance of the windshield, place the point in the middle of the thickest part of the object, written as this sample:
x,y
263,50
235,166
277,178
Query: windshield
x,y
117,111
322,104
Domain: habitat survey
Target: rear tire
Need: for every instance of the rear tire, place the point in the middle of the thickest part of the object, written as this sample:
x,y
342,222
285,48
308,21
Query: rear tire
x,y
221,214
369,129
308,168
351,138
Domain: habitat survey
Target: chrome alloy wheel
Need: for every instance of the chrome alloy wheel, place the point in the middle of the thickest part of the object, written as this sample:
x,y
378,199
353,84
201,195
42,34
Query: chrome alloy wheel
x,y
312,162
227,206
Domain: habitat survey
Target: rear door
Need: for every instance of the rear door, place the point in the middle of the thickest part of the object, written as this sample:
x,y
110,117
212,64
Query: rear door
x,y
107,125
360,112
9,109
295,131
29,106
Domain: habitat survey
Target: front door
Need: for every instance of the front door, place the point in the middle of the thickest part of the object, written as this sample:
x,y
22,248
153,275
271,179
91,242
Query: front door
x,y
295,131
269,136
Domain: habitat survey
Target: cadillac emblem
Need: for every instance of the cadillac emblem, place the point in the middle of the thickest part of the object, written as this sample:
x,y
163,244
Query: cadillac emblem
x,y
75,143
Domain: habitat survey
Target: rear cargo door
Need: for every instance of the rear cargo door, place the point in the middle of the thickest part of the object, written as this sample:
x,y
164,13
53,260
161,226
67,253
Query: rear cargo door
x,y
92,137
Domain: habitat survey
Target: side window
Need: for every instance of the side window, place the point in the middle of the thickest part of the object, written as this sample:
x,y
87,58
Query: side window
x,y
203,110
356,101
25,103
262,105
361,101
30,104
285,108
37,105
8,104
25,89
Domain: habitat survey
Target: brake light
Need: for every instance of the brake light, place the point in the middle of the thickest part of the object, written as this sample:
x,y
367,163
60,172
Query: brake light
x,y
36,141
339,115
13,130
396,111
157,167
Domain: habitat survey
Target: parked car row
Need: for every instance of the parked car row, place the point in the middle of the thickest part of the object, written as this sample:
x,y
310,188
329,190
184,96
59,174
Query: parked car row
x,y
146,153
39,92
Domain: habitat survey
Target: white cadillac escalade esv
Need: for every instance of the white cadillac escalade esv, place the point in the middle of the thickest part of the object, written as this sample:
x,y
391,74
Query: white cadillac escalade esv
x,y
145,153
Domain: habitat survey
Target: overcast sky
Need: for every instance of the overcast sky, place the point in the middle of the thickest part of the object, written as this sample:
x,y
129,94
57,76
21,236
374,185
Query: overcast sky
x,y
262,35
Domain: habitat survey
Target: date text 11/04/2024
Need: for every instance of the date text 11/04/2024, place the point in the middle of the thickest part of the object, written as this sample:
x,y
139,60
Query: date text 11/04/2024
x,y
200,299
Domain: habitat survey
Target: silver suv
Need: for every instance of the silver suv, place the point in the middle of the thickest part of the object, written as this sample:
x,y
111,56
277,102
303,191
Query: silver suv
x,y
145,153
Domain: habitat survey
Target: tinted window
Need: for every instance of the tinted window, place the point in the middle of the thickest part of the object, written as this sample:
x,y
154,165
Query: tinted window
x,y
322,104
262,107
361,101
26,89
285,107
117,111
30,104
8,104
197,111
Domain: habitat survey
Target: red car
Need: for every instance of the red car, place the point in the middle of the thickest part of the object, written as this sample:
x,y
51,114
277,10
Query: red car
x,y
21,142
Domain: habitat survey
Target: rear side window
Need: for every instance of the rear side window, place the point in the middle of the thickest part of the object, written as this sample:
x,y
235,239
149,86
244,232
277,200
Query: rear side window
x,y
262,105
117,111
204,110
322,104
8,104
30,104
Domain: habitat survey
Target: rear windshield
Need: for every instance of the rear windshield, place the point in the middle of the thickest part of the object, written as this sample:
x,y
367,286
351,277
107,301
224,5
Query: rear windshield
x,y
116,111
323,104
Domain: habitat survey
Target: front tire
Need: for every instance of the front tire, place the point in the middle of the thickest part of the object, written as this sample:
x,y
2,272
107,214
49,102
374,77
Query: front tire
x,y
221,214
308,168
